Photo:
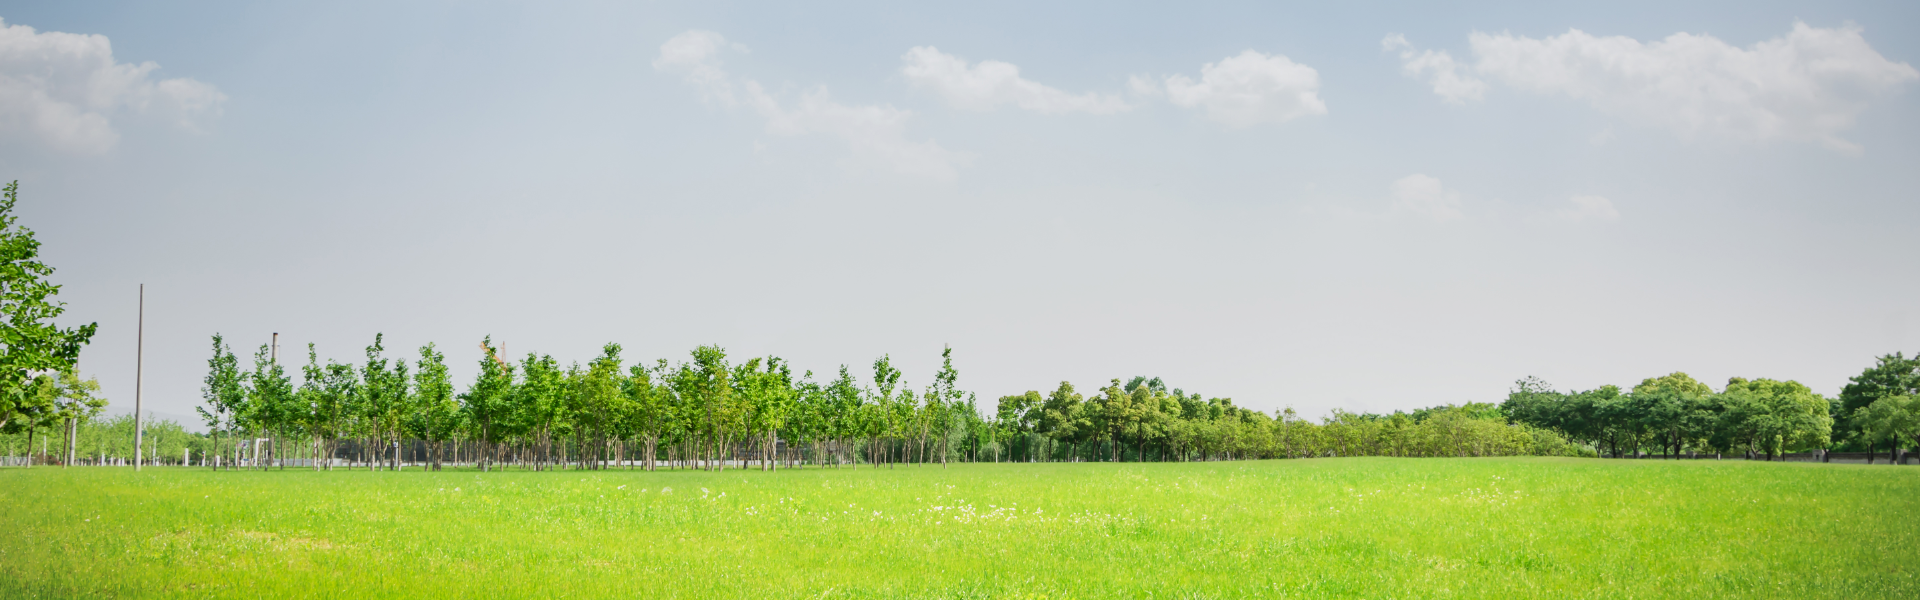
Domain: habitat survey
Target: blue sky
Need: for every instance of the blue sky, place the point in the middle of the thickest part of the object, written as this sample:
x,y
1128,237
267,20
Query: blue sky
x,y
1286,205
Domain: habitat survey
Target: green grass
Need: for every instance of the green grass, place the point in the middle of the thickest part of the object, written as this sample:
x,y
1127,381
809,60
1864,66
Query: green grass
x,y
1360,527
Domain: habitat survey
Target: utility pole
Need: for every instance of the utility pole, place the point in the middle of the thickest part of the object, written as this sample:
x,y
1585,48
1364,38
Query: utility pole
x,y
139,364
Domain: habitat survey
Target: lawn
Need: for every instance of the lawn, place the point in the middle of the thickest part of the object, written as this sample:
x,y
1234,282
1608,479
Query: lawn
x,y
1349,527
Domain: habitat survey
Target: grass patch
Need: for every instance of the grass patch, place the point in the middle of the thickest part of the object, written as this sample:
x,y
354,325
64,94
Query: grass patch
x,y
1350,527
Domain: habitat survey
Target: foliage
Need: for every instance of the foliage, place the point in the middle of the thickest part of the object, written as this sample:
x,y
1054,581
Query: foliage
x,y
1891,375
31,345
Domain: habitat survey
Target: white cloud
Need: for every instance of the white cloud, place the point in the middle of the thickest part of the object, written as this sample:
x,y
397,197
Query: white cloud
x,y
874,133
1589,208
1424,196
1447,77
1246,90
991,83
65,89
1808,85
696,54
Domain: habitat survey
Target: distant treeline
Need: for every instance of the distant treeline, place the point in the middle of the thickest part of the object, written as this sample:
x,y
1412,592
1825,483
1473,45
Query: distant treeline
x,y
708,412
109,441
1877,409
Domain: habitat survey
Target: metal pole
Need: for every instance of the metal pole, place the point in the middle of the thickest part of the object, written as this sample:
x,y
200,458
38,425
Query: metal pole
x,y
139,363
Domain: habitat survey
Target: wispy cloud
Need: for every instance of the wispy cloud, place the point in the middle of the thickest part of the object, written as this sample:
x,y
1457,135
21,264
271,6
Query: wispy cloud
x,y
989,84
1808,85
1244,90
874,134
1447,76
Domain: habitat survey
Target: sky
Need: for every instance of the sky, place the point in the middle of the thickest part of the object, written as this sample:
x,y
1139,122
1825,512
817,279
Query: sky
x,y
1366,206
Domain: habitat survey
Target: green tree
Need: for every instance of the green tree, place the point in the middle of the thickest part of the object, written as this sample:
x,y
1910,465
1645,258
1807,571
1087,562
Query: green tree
x,y
1672,409
598,401
383,404
223,391
335,402
1892,419
1775,417
486,402
843,407
273,402
767,396
1891,375
436,416
1063,417
75,404
879,410
706,384
30,343
650,408
539,404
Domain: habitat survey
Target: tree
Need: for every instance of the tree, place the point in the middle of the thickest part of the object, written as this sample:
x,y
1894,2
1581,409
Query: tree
x,y
272,399
1891,419
223,392
539,404
649,411
844,405
1672,408
706,385
334,392
36,409
1112,412
880,409
486,402
30,344
945,394
1020,412
75,404
436,414
1063,416
1774,417
598,398
384,400
1891,375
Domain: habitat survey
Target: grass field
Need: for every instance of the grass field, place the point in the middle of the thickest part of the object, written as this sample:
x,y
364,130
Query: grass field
x,y
1359,527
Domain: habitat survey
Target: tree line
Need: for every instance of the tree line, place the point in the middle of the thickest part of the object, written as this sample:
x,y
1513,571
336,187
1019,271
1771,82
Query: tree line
x,y
707,412
95,441
1674,414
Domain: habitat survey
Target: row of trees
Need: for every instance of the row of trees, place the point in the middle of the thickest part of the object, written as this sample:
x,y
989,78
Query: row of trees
x,y
1144,419
108,442
1674,414
707,412
538,413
